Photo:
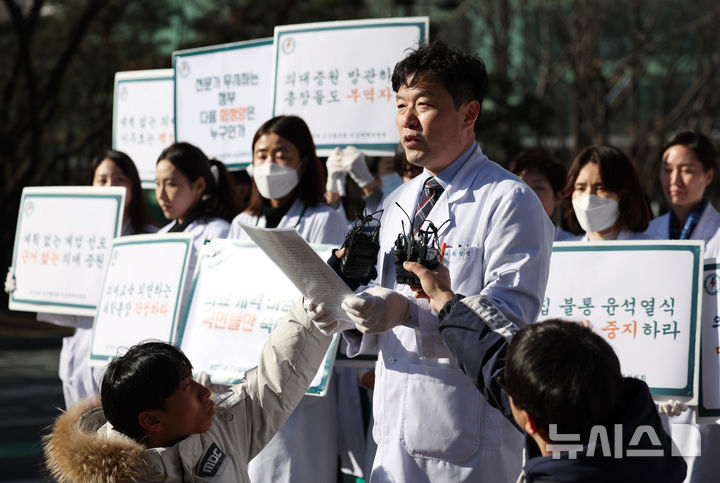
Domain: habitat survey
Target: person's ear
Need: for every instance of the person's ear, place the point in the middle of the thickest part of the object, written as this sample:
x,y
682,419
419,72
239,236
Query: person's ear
x,y
199,185
149,421
303,166
522,418
709,176
471,111
530,427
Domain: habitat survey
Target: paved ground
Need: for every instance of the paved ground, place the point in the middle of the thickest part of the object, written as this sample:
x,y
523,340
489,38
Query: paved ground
x,y
30,393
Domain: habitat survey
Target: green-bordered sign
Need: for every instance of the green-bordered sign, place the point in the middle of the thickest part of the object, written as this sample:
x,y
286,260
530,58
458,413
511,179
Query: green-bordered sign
x,y
62,246
643,297
337,76
222,96
709,402
238,297
142,294
143,118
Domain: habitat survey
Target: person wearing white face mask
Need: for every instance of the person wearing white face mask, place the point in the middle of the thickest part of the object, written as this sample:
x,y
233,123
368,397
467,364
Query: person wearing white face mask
x,y
603,197
288,184
288,192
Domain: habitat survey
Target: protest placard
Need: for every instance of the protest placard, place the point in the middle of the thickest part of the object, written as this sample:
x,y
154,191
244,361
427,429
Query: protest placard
x,y
337,77
64,234
142,293
238,296
143,118
222,96
709,401
643,297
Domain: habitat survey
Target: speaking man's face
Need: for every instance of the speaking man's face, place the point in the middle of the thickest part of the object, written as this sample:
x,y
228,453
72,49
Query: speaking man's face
x,y
432,131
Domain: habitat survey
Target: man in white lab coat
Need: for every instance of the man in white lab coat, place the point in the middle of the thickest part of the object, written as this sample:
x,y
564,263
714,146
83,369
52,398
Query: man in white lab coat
x,y
431,423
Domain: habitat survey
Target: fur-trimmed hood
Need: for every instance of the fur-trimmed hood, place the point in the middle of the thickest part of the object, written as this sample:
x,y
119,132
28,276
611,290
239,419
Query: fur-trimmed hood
x,y
83,448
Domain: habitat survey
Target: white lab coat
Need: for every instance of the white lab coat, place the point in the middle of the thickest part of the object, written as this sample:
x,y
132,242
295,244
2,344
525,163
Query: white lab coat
x,y
707,229
622,235
707,466
562,235
306,447
431,423
203,230
79,379
318,224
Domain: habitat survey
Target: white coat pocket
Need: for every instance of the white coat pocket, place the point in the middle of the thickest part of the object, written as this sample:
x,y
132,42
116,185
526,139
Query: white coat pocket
x,y
441,415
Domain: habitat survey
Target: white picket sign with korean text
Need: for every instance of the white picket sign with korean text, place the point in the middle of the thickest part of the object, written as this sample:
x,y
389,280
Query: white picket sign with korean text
x,y
143,118
142,293
337,77
643,298
238,296
222,96
62,246
709,401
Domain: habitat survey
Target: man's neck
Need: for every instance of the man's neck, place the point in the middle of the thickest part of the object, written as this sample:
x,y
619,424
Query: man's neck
x,y
437,169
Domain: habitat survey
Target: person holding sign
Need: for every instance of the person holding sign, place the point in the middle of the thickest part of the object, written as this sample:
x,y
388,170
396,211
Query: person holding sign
x,y
117,169
288,191
79,380
687,169
195,193
560,383
430,423
157,424
603,197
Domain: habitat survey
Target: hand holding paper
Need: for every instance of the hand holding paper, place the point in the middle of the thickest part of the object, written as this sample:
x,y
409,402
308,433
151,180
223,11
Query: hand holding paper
x,y
302,265
324,320
377,310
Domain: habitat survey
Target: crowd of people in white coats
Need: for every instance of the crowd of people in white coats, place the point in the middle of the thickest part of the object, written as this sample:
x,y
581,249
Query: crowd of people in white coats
x,y
434,418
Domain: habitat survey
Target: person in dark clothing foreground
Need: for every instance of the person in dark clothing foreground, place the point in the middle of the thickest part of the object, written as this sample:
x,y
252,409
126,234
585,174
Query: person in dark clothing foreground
x,y
561,384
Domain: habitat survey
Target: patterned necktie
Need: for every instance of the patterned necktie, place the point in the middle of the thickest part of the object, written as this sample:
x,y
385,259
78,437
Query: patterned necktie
x,y
431,192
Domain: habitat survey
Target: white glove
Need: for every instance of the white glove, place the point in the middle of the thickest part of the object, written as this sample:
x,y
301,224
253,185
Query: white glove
x,y
337,172
324,320
10,285
671,407
357,167
377,309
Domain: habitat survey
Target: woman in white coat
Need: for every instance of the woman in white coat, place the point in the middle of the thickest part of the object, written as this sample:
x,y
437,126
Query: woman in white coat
x,y
288,192
603,197
79,379
687,169
195,193
289,185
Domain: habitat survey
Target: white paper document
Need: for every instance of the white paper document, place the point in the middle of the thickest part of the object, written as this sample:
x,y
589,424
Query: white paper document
x,y
310,274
